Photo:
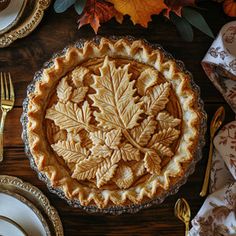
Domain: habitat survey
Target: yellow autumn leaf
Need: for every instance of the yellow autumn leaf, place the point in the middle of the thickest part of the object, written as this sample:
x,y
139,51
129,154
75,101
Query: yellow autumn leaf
x,y
140,11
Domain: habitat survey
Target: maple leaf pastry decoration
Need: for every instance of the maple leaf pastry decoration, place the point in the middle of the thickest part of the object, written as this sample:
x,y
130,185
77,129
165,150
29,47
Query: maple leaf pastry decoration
x,y
120,122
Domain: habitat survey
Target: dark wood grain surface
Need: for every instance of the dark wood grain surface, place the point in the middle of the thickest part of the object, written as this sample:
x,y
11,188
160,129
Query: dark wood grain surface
x,y
26,56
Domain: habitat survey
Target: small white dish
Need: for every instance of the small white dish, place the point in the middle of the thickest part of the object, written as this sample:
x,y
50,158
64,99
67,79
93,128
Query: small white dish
x,y
24,213
11,14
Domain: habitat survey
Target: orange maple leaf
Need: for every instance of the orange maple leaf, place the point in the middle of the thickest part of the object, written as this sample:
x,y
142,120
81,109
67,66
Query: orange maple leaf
x,y
140,11
176,6
96,12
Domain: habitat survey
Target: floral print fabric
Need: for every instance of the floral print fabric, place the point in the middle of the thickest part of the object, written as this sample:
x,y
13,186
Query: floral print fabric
x,y
217,216
220,63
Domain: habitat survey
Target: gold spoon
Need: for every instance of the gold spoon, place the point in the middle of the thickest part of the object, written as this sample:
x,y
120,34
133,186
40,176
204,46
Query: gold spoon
x,y
183,212
216,122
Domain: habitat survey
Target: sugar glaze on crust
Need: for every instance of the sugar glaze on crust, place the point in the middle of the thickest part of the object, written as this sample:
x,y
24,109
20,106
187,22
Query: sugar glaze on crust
x,y
59,176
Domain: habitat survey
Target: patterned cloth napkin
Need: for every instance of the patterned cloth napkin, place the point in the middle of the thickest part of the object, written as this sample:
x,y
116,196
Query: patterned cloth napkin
x,y
217,216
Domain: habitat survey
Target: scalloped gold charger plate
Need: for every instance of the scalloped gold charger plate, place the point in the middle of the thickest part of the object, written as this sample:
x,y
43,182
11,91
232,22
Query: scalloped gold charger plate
x,y
31,17
33,195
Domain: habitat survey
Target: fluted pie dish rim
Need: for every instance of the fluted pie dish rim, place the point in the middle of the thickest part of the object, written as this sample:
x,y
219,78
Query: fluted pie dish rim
x,y
134,198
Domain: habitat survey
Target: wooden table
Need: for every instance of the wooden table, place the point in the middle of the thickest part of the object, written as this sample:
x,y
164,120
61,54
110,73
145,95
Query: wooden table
x,y
26,56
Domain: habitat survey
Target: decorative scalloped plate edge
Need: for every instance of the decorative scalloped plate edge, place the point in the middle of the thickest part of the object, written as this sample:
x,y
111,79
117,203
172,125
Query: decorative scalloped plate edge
x,y
28,26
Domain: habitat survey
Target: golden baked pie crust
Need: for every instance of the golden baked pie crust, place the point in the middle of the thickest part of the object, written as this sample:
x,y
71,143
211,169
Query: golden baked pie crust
x,y
46,160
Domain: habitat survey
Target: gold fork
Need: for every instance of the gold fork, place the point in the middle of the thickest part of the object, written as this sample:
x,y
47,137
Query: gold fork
x,y
7,102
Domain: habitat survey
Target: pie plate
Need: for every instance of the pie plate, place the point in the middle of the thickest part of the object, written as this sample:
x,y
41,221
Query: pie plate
x,y
135,204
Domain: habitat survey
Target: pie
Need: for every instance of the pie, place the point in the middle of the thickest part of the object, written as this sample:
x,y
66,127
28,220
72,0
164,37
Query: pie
x,y
113,123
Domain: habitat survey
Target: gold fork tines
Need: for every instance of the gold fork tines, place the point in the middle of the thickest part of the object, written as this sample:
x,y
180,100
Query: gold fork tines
x,y
183,212
7,103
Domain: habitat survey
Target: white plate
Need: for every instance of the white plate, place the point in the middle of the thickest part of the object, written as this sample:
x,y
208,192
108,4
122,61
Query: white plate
x,y
10,15
23,213
35,196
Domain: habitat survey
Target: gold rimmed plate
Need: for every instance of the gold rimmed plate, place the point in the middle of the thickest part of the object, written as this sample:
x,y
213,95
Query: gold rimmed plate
x,y
11,15
29,20
45,216
22,213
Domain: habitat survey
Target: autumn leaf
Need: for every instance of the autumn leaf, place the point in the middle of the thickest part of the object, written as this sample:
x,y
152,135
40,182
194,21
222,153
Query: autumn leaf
x,y
142,133
101,150
129,153
88,168
162,150
96,12
115,97
105,173
98,137
69,116
140,11
79,94
152,162
78,76
176,6
94,166
147,79
70,151
167,120
113,138
63,90
165,137
156,98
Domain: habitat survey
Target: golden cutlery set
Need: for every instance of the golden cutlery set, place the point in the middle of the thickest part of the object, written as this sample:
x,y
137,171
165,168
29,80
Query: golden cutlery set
x,y
182,209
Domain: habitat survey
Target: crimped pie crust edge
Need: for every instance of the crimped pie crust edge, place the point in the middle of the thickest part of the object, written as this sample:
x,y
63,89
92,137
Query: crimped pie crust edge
x,y
141,52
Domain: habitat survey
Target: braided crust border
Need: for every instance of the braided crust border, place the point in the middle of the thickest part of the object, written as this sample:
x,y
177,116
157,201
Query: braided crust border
x,y
140,51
